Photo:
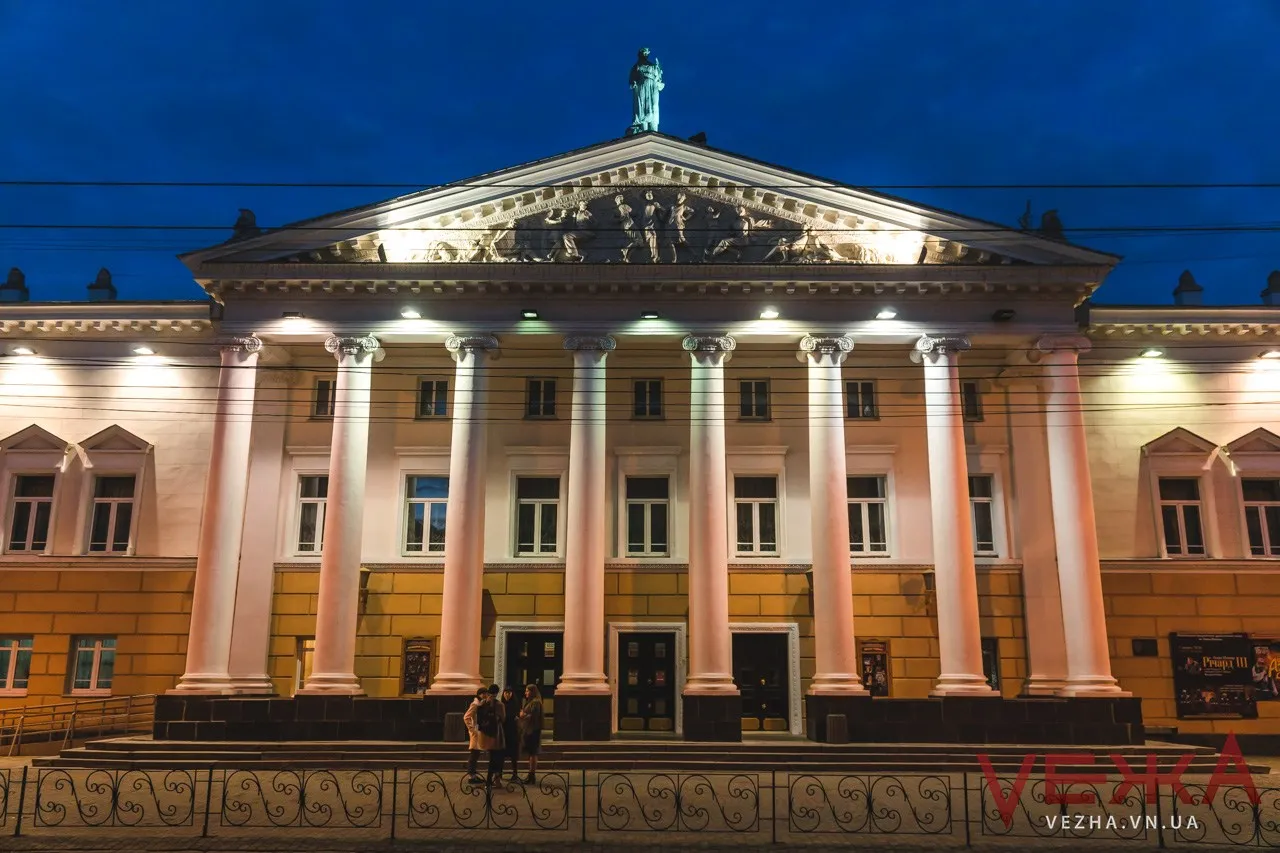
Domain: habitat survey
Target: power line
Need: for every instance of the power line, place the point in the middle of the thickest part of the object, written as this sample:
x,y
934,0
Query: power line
x,y
834,185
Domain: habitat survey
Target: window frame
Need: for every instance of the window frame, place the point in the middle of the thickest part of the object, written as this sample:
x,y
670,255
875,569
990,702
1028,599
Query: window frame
x,y
764,461
406,501
625,504
435,381
295,522
875,400
95,670
1181,454
134,513
13,642
11,488
990,501
313,402
542,415
112,462
1253,456
768,399
866,516
649,461
978,415
516,503
1179,507
662,409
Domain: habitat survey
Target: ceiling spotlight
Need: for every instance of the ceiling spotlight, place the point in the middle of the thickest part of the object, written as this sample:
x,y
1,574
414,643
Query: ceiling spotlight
x,y
292,315
648,315
23,351
143,350
1271,353
769,314
1153,352
410,314
529,314
886,314
1004,315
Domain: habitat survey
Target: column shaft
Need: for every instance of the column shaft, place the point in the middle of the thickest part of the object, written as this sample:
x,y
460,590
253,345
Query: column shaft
x,y
222,523
337,611
836,656
1079,571
460,624
955,575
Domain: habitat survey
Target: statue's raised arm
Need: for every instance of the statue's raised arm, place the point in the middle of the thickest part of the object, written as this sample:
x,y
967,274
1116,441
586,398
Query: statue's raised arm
x,y
646,83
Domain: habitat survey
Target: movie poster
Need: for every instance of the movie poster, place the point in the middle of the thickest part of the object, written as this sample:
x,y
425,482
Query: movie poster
x,y
1265,673
416,666
875,666
1213,675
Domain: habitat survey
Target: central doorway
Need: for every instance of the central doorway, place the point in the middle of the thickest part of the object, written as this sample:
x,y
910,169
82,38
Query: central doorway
x,y
646,668
532,657
761,668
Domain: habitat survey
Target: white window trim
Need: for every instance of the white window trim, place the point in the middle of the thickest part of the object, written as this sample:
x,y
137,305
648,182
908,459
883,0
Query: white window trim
x,y
536,461
648,462
662,398
1251,465
72,690
878,461
112,463
1195,466
555,398
30,464
303,462
768,399
993,462
860,380
756,462
313,396
7,677
417,398
426,462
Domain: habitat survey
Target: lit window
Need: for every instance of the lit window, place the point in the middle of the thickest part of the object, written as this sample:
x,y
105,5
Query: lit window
x,y
540,398
753,404
324,397
15,662
1180,517
860,400
868,530
313,493
111,516
1262,516
537,514
424,526
433,397
982,513
756,512
648,398
970,401
32,504
93,663
647,507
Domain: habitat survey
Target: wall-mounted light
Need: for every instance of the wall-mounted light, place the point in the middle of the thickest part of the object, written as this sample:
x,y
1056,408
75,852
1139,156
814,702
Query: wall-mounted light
x,y
23,351
1153,352
1003,315
293,315
410,314
529,314
886,314
769,314
1269,353
648,315
143,350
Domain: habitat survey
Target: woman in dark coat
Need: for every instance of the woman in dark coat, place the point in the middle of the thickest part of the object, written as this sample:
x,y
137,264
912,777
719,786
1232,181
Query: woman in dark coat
x,y
511,736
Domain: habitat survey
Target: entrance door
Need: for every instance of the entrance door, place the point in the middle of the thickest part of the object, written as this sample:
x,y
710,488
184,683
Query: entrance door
x,y
760,670
535,657
647,682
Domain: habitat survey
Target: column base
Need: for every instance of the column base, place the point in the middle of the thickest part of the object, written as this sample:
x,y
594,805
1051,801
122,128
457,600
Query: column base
x,y
455,684
963,685
1093,685
837,684
252,685
204,684
1042,686
712,717
331,684
583,684
710,684
583,716
818,707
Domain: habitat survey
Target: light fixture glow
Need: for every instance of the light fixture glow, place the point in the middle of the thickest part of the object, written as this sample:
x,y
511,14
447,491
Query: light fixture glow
x,y
1153,352
1271,353
769,314
648,315
143,350
292,315
23,351
886,314
529,314
410,314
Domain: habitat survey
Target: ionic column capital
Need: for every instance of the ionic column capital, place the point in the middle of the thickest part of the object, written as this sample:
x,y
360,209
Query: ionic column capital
x,y
1063,343
600,343
341,345
709,343
462,344
813,347
934,346
240,344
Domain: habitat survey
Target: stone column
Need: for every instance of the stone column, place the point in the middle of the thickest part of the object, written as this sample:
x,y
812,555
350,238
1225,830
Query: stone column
x,y
712,704
955,576
836,657
1079,572
333,667
459,654
222,522
583,699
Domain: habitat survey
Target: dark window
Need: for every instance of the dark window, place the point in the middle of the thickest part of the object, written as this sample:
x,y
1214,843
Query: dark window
x,y
540,398
982,511
861,400
868,531
647,516
111,516
32,506
754,401
313,492
15,662
93,663
756,514
323,400
427,499
1180,517
433,397
971,401
648,398
537,514
1262,516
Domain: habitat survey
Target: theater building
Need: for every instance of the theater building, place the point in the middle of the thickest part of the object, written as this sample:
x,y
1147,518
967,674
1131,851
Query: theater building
x,y
668,431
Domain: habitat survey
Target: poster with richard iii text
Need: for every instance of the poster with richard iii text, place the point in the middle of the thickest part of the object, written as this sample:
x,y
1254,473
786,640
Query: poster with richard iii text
x,y
1213,676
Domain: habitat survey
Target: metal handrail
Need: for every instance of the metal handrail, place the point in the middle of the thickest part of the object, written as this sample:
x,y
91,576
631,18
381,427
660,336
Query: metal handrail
x,y
78,718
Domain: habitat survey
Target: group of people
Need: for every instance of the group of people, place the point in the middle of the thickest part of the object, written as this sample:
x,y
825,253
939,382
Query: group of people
x,y
496,727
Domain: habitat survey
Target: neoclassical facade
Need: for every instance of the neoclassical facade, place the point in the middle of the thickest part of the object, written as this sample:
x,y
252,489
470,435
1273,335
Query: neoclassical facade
x,y
682,437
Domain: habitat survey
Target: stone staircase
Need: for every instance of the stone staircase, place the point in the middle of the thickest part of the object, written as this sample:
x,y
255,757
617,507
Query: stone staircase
x,y
792,755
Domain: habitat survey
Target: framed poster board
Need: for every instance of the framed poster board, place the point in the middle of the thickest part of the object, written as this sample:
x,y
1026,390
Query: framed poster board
x,y
416,666
1212,676
875,666
1265,672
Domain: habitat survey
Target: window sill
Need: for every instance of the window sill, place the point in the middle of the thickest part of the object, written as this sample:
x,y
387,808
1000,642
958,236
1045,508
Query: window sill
x,y
13,692
88,694
538,558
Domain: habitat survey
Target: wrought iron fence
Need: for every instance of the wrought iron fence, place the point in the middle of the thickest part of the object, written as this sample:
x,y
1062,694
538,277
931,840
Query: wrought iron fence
x,y
956,810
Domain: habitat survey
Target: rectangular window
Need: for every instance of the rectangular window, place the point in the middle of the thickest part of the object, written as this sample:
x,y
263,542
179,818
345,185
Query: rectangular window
x,y
32,505
111,516
648,398
537,514
93,663
15,662
982,512
1262,516
433,397
755,502
305,656
970,401
313,493
647,516
540,398
753,403
860,400
424,526
868,531
322,400
1180,517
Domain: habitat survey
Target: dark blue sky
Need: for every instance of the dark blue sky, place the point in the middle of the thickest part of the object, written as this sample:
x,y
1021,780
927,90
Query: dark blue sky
x,y
926,92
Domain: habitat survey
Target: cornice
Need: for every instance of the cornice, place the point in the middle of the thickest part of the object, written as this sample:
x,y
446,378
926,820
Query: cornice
x,y
52,325
24,563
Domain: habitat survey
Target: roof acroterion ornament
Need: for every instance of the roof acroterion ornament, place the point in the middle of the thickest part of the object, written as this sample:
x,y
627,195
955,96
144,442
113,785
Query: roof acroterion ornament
x,y
646,83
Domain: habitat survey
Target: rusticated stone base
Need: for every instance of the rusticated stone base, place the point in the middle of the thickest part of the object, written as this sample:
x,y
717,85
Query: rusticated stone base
x,y
580,717
713,718
303,718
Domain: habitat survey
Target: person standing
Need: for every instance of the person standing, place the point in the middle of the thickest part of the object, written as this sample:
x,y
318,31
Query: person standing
x,y
510,735
531,719
474,738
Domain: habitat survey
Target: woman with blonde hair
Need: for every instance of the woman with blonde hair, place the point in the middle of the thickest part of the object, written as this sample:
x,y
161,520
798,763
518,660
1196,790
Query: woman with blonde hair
x,y
531,719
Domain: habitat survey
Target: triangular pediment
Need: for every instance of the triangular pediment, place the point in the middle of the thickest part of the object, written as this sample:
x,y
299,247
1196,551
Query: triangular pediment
x,y
115,438
1180,442
648,198
34,439
1259,441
